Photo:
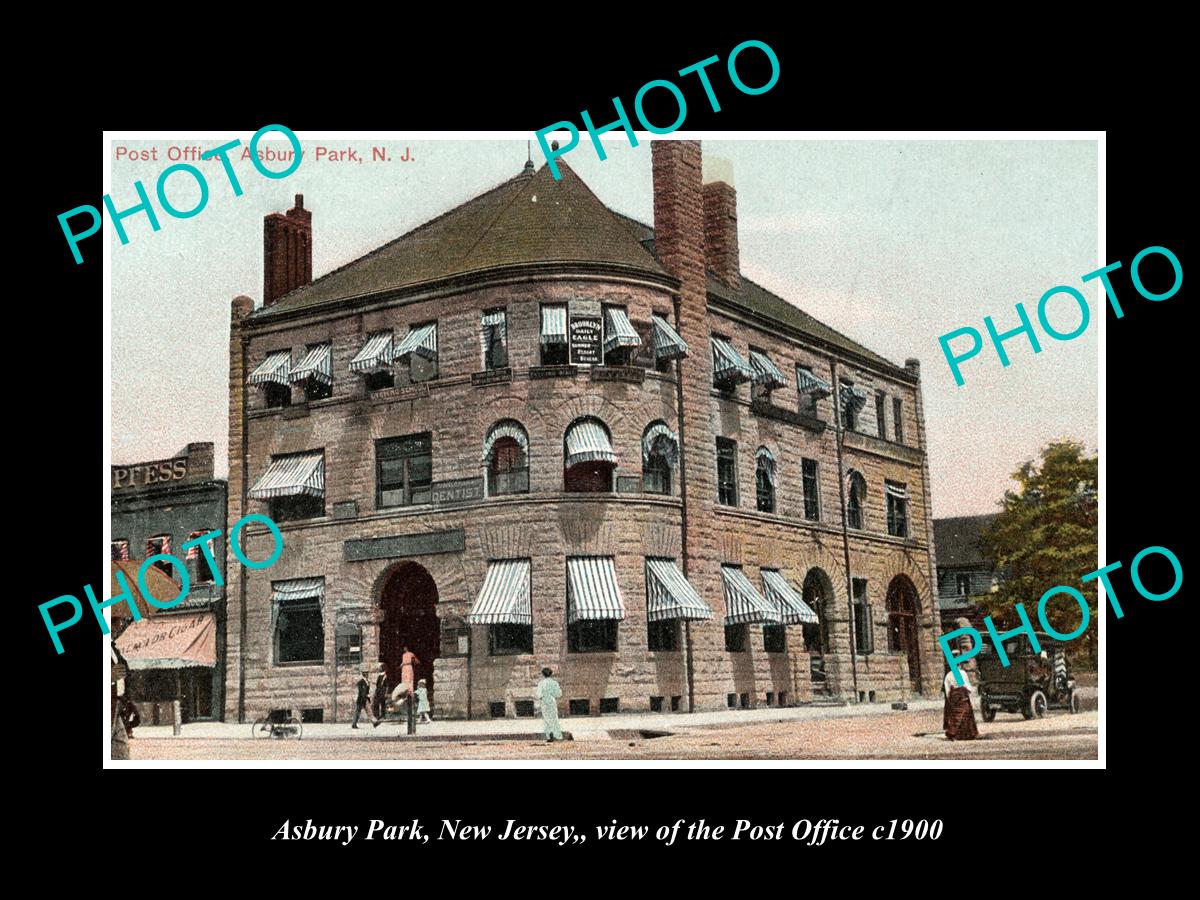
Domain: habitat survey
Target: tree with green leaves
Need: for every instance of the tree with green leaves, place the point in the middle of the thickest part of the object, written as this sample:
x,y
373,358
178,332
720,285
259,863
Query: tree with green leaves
x,y
1047,535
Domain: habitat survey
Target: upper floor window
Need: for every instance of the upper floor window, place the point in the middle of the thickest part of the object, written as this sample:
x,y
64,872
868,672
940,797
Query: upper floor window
x,y
727,472
160,543
272,375
856,491
811,389
198,568
374,361
494,338
729,368
880,407
403,470
962,584
588,457
897,508
554,335
506,455
767,376
315,372
620,337
853,400
293,485
420,348
120,550
898,419
812,489
764,480
668,345
660,453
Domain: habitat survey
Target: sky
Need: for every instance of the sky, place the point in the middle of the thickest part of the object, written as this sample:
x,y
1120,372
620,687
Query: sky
x,y
893,243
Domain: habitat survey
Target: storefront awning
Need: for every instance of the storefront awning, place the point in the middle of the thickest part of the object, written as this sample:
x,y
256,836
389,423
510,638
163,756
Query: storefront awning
x,y
728,365
421,340
170,642
506,430
376,353
743,603
287,476
161,586
808,383
661,439
792,608
667,342
592,591
504,597
766,373
317,364
588,442
618,330
298,589
669,595
554,324
766,459
273,369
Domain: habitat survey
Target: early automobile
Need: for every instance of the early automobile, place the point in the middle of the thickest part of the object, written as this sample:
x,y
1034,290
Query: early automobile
x,y
1031,683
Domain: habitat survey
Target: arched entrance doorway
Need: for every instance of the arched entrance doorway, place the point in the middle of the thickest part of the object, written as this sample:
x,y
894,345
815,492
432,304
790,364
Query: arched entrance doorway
x,y
903,605
818,594
409,603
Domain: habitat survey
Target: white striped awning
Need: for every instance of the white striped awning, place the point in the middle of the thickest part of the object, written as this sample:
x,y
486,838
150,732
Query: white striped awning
x,y
588,442
808,383
743,603
895,489
667,342
728,365
592,591
618,330
287,476
659,438
298,589
554,324
792,608
669,595
273,369
767,459
766,373
421,339
503,430
852,397
492,327
376,353
317,364
504,597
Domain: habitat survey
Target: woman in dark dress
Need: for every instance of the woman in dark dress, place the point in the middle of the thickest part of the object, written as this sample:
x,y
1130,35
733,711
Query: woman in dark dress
x,y
958,718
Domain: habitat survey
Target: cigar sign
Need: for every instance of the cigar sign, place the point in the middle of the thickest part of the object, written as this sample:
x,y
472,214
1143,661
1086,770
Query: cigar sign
x,y
142,474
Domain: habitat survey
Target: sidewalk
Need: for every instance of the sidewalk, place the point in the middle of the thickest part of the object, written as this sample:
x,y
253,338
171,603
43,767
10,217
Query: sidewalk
x,y
578,727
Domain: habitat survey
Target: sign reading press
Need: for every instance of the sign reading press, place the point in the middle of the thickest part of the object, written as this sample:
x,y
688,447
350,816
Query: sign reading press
x,y
142,474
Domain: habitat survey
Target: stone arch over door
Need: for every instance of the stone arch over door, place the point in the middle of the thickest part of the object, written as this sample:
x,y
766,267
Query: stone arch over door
x,y
408,617
904,609
817,592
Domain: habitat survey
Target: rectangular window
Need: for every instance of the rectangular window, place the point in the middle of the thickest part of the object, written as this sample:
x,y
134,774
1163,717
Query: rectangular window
x,y
774,638
727,472
880,407
812,489
663,634
849,410
198,568
298,506
758,391
120,550
423,362
510,639
592,636
898,419
494,336
864,633
314,388
962,585
554,335
808,399
277,396
349,645
735,638
299,632
378,381
161,543
617,356
403,470
897,508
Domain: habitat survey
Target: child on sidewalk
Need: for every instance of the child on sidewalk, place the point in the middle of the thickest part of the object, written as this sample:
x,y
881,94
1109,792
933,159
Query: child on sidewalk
x,y
423,703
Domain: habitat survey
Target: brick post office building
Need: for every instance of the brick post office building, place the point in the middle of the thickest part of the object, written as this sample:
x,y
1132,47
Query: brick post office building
x,y
533,432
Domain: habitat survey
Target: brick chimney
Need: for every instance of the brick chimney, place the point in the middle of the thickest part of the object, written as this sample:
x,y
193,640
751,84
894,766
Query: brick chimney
x,y
287,251
720,233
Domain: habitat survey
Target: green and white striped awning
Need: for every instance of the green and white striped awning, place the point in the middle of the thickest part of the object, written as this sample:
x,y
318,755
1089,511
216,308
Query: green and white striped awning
x,y
808,383
273,369
792,608
618,330
298,589
766,458
504,598
766,373
743,603
422,340
289,476
317,364
588,442
895,489
509,430
728,365
853,398
669,595
493,328
659,438
554,324
592,591
667,342
376,353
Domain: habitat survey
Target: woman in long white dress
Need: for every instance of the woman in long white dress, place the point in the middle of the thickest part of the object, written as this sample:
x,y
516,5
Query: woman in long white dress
x,y
548,692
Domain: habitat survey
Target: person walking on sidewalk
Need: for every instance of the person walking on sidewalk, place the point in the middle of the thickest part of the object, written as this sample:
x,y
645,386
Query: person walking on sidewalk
x,y
423,703
548,692
408,663
379,700
958,718
360,702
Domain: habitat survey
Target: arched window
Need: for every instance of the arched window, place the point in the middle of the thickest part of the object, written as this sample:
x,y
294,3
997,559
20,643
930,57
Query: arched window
x,y
660,453
856,497
506,456
764,479
588,457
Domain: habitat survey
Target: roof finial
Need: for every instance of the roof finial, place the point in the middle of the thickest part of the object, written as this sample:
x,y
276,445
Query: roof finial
x,y
529,156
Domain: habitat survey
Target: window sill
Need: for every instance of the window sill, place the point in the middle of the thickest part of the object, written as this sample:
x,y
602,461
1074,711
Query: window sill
x,y
881,447
307,664
763,407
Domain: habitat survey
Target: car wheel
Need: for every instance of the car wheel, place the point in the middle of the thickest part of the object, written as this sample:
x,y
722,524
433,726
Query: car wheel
x,y
989,713
1037,705
1073,701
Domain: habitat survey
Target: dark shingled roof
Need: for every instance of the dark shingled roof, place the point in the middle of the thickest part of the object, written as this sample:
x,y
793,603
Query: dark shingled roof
x,y
530,218
957,541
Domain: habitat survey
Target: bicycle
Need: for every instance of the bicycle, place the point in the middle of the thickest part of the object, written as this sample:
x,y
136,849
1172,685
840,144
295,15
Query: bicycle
x,y
278,724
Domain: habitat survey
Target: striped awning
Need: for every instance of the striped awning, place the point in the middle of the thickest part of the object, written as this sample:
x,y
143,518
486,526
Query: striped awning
x,y
503,430
766,373
767,459
273,369
808,383
659,438
376,353
421,340
287,476
492,328
554,324
667,342
618,330
669,595
728,365
504,597
894,489
588,442
317,364
853,398
298,589
743,603
592,591
792,608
